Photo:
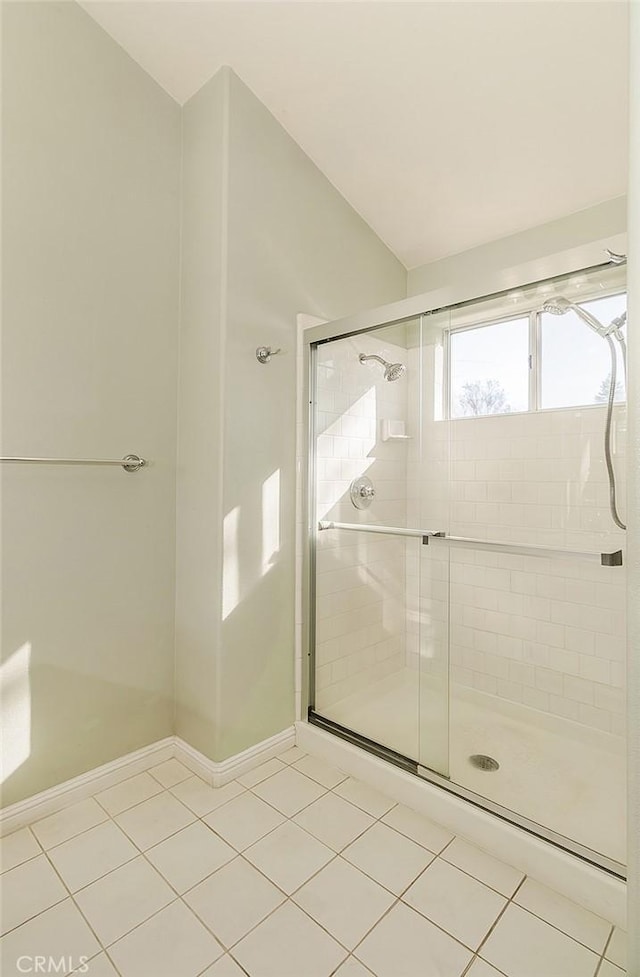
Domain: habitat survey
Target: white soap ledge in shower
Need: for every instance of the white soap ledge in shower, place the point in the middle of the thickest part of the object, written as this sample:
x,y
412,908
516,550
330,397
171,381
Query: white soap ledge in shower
x,y
394,431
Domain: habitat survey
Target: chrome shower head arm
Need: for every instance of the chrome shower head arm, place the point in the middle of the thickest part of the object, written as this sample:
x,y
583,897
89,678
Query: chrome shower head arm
x,y
372,356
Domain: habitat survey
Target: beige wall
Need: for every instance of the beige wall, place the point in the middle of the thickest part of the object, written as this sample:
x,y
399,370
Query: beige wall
x,y
92,236
294,245
200,413
90,273
499,264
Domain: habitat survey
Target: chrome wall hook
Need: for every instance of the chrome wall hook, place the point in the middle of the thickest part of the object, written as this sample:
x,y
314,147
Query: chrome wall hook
x,y
264,353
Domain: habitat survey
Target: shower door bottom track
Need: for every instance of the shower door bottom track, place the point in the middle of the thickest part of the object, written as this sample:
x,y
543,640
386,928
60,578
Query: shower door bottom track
x,y
614,868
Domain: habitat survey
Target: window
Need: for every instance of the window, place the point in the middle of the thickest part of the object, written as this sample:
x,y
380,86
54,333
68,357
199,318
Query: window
x,y
575,367
535,360
489,369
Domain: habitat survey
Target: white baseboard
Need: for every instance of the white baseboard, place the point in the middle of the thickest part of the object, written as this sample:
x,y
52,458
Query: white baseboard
x,y
100,778
218,774
567,874
85,785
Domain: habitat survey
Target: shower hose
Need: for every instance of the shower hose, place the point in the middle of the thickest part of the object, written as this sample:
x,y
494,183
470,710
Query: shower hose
x,y
613,504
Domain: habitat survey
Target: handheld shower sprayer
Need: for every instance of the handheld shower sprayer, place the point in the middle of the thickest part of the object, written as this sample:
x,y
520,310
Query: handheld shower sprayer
x,y
559,305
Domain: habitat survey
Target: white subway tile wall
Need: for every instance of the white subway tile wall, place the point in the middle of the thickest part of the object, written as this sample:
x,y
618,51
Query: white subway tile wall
x,y
545,633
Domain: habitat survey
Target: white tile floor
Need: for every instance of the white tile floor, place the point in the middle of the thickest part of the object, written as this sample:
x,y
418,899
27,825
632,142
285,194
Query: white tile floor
x,y
293,870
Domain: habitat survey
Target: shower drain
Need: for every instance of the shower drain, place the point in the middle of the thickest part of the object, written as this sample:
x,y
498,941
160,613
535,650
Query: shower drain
x,y
482,762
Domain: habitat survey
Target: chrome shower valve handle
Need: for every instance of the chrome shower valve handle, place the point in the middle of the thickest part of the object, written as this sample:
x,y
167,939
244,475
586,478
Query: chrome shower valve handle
x,y
362,492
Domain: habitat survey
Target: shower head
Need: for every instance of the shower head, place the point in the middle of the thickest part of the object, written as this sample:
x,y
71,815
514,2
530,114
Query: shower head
x,y
559,305
392,371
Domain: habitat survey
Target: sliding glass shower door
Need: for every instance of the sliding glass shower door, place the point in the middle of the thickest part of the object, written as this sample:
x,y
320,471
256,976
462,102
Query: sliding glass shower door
x,y
468,612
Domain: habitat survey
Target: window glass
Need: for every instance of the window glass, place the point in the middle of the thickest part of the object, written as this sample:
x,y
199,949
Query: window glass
x,y
575,367
490,369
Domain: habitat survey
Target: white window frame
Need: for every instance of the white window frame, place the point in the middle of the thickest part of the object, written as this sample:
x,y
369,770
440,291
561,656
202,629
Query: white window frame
x,y
534,314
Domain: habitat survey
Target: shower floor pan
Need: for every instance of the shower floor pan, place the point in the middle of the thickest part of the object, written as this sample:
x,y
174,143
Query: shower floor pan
x,y
561,775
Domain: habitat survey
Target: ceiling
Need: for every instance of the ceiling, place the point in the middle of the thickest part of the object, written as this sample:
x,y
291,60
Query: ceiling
x,y
444,124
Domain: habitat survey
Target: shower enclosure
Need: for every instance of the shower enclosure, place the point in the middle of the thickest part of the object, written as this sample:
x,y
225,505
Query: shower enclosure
x,y
465,575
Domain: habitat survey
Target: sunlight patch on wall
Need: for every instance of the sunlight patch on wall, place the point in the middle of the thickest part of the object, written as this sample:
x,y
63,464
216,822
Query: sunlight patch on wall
x,y
346,445
15,694
230,563
270,520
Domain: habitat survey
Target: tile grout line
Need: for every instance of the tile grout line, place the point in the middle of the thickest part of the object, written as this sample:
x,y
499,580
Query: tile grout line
x,y
140,853
83,831
287,897
557,928
226,953
604,952
400,899
82,915
290,818
500,915
397,898
509,899
197,817
52,906
240,854
530,911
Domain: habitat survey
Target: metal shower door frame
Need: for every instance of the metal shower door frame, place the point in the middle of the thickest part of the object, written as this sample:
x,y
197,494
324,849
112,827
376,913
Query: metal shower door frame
x,y
582,259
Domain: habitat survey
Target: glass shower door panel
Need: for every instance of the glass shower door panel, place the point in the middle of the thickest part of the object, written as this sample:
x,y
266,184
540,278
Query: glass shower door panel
x,y
537,704
366,678
537,692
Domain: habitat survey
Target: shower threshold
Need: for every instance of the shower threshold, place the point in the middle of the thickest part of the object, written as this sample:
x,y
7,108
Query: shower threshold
x,y
609,865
